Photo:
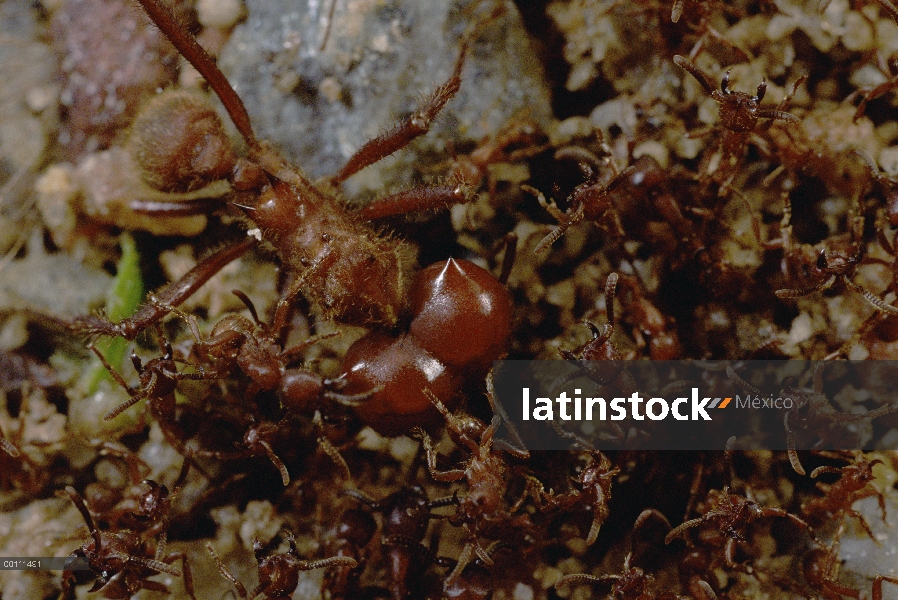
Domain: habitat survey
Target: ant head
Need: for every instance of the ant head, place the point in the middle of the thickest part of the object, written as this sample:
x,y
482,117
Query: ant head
x,y
179,143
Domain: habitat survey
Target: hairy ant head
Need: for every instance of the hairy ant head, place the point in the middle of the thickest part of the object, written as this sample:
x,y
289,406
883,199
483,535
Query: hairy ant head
x,y
179,143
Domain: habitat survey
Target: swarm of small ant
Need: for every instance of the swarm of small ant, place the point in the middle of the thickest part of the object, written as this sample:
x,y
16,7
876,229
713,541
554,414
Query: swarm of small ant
x,y
302,405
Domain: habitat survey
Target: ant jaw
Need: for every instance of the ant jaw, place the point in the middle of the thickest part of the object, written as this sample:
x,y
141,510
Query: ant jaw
x,y
725,83
762,89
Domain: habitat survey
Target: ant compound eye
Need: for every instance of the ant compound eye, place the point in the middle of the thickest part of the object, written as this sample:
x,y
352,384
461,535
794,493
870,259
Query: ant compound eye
x,y
179,143
462,314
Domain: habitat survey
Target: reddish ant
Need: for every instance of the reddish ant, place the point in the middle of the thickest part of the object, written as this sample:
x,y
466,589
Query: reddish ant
x,y
406,515
733,514
852,485
837,263
146,505
739,115
158,380
594,481
278,573
121,562
739,112
351,273
344,267
633,583
589,201
485,471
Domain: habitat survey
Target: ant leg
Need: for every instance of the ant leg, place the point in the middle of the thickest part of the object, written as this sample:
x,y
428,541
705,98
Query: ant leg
x,y
173,295
415,200
328,448
877,585
685,63
185,570
415,125
78,501
876,92
430,451
190,49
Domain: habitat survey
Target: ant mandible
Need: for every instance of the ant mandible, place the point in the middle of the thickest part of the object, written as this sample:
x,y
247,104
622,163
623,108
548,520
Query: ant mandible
x,y
278,573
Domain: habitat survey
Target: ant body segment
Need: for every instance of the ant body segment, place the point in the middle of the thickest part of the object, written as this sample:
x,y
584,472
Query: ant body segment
x,y
350,537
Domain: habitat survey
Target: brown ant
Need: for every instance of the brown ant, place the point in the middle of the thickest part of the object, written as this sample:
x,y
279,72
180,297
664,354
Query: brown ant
x,y
406,515
344,267
278,573
146,504
594,482
485,472
831,265
852,485
739,115
733,514
633,583
121,562
349,271
158,381
739,112
589,201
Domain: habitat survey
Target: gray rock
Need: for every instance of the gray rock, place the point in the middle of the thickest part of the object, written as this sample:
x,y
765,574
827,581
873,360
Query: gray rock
x,y
380,60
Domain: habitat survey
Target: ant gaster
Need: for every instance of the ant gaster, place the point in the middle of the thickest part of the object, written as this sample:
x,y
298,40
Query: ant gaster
x,y
461,322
